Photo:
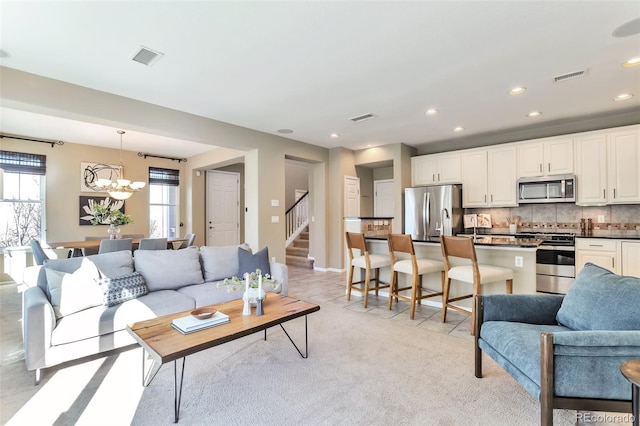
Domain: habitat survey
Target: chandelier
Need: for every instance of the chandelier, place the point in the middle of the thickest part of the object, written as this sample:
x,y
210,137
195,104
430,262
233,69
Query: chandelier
x,y
121,188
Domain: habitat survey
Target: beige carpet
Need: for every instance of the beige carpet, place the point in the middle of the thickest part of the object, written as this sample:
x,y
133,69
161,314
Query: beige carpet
x,y
361,370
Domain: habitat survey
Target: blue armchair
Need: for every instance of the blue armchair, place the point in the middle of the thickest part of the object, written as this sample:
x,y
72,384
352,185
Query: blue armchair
x,y
566,351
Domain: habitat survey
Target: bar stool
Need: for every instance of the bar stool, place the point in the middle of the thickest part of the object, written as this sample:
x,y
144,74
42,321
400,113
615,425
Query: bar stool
x,y
366,261
414,267
474,273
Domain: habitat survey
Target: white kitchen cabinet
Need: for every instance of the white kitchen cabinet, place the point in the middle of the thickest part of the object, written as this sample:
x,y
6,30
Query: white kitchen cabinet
x,y
475,185
608,167
599,251
436,169
546,158
624,166
631,258
591,169
489,177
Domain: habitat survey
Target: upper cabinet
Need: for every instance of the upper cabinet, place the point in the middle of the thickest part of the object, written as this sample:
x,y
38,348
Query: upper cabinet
x,y
546,158
489,177
591,169
608,167
624,166
436,169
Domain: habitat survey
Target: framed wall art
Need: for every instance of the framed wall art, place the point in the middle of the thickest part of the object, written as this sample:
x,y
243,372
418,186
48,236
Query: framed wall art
x,y
91,172
88,211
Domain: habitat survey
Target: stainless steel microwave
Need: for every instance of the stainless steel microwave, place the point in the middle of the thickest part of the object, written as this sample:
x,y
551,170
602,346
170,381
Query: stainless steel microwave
x,y
548,189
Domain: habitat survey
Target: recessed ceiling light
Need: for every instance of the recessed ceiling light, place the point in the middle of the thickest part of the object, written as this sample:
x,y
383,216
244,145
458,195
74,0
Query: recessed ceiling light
x,y
517,90
334,135
632,62
623,97
458,129
534,114
431,111
285,131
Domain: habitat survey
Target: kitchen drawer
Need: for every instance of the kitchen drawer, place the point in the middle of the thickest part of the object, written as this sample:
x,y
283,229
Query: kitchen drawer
x,y
596,244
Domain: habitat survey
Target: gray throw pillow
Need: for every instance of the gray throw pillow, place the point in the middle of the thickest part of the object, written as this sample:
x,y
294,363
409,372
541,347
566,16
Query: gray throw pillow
x,y
123,288
252,262
601,300
169,269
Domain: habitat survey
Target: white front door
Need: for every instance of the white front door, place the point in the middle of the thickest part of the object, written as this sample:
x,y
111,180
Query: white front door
x,y
223,208
383,204
351,196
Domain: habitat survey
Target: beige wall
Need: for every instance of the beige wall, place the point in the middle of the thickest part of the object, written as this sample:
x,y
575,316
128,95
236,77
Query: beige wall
x,y
63,187
264,154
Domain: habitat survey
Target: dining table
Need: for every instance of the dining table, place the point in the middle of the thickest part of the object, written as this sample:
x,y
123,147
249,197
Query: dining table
x,y
76,247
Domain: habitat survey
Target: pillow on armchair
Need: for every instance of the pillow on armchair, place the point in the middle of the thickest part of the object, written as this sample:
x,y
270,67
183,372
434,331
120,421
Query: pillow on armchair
x,y
601,300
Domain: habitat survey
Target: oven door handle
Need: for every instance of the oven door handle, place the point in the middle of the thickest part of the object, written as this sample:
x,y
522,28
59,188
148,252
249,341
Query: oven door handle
x,y
559,248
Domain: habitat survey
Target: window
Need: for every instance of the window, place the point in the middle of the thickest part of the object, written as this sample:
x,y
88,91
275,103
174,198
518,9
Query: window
x,y
164,196
22,198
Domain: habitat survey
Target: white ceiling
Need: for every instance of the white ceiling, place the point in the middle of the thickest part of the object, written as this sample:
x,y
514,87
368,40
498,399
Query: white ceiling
x,y
309,66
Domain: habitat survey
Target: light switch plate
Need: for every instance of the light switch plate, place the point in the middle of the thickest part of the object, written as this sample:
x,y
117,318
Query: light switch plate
x,y
600,218
275,203
519,261
275,219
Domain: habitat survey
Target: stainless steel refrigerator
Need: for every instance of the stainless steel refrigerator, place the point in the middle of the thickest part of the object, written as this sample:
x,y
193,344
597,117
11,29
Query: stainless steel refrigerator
x,y
431,211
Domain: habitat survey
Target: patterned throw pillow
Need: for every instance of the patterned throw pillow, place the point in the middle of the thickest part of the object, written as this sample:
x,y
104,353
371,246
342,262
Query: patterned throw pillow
x,y
120,289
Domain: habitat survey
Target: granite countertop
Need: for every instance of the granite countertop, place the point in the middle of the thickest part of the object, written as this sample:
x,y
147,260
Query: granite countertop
x,y
485,240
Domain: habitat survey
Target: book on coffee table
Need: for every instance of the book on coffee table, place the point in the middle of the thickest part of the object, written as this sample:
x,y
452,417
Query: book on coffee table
x,y
189,324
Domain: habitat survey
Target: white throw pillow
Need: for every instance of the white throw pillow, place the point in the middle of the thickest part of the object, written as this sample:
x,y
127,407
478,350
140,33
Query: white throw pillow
x,y
76,291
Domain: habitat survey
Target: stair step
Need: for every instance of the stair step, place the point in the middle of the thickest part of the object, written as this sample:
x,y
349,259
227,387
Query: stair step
x,y
304,235
299,261
300,243
297,251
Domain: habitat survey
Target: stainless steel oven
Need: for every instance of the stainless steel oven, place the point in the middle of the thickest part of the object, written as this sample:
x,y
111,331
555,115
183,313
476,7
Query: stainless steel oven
x,y
555,263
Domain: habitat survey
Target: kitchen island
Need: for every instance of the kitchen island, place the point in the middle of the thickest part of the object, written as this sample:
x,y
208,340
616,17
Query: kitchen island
x,y
501,251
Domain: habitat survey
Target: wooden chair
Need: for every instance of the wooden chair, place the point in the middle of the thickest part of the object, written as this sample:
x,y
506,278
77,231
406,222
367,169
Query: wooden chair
x,y
399,243
474,273
366,261
153,244
107,246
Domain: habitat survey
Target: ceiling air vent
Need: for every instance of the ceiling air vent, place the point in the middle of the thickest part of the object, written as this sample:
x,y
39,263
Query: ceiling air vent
x,y
361,118
569,76
146,56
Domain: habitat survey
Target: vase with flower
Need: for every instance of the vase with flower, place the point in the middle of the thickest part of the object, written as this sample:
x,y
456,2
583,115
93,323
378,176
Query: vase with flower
x,y
108,213
254,285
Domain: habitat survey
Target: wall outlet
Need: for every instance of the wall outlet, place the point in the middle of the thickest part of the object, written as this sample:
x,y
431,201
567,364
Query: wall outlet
x,y
600,218
519,261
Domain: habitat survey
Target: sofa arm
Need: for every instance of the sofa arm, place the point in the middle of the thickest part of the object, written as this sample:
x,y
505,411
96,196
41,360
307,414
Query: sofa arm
x,y
31,274
280,273
38,322
525,308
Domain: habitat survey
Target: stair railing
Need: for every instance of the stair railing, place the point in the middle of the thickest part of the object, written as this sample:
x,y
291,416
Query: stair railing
x,y
297,218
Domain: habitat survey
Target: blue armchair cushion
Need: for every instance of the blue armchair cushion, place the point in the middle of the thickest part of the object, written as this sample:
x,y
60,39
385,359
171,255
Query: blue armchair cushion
x,y
601,300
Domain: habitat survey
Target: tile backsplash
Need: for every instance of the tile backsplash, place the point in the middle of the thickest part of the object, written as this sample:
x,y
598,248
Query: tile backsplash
x,y
614,220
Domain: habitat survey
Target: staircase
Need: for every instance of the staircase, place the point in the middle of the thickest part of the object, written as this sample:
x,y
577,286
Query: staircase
x,y
298,251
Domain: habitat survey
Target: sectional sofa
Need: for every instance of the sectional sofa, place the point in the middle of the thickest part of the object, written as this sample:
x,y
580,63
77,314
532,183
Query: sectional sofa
x,y
76,307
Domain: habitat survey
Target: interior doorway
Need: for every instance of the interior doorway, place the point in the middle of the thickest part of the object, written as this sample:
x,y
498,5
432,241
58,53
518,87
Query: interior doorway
x,y
223,208
351,196
383,203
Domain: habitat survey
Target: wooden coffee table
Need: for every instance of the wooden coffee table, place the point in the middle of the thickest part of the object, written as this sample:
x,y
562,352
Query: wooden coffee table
x,y
631,370
163,343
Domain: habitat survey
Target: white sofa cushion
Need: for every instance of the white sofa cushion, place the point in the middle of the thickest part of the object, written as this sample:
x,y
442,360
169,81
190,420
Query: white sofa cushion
x,y
168,269
75,291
